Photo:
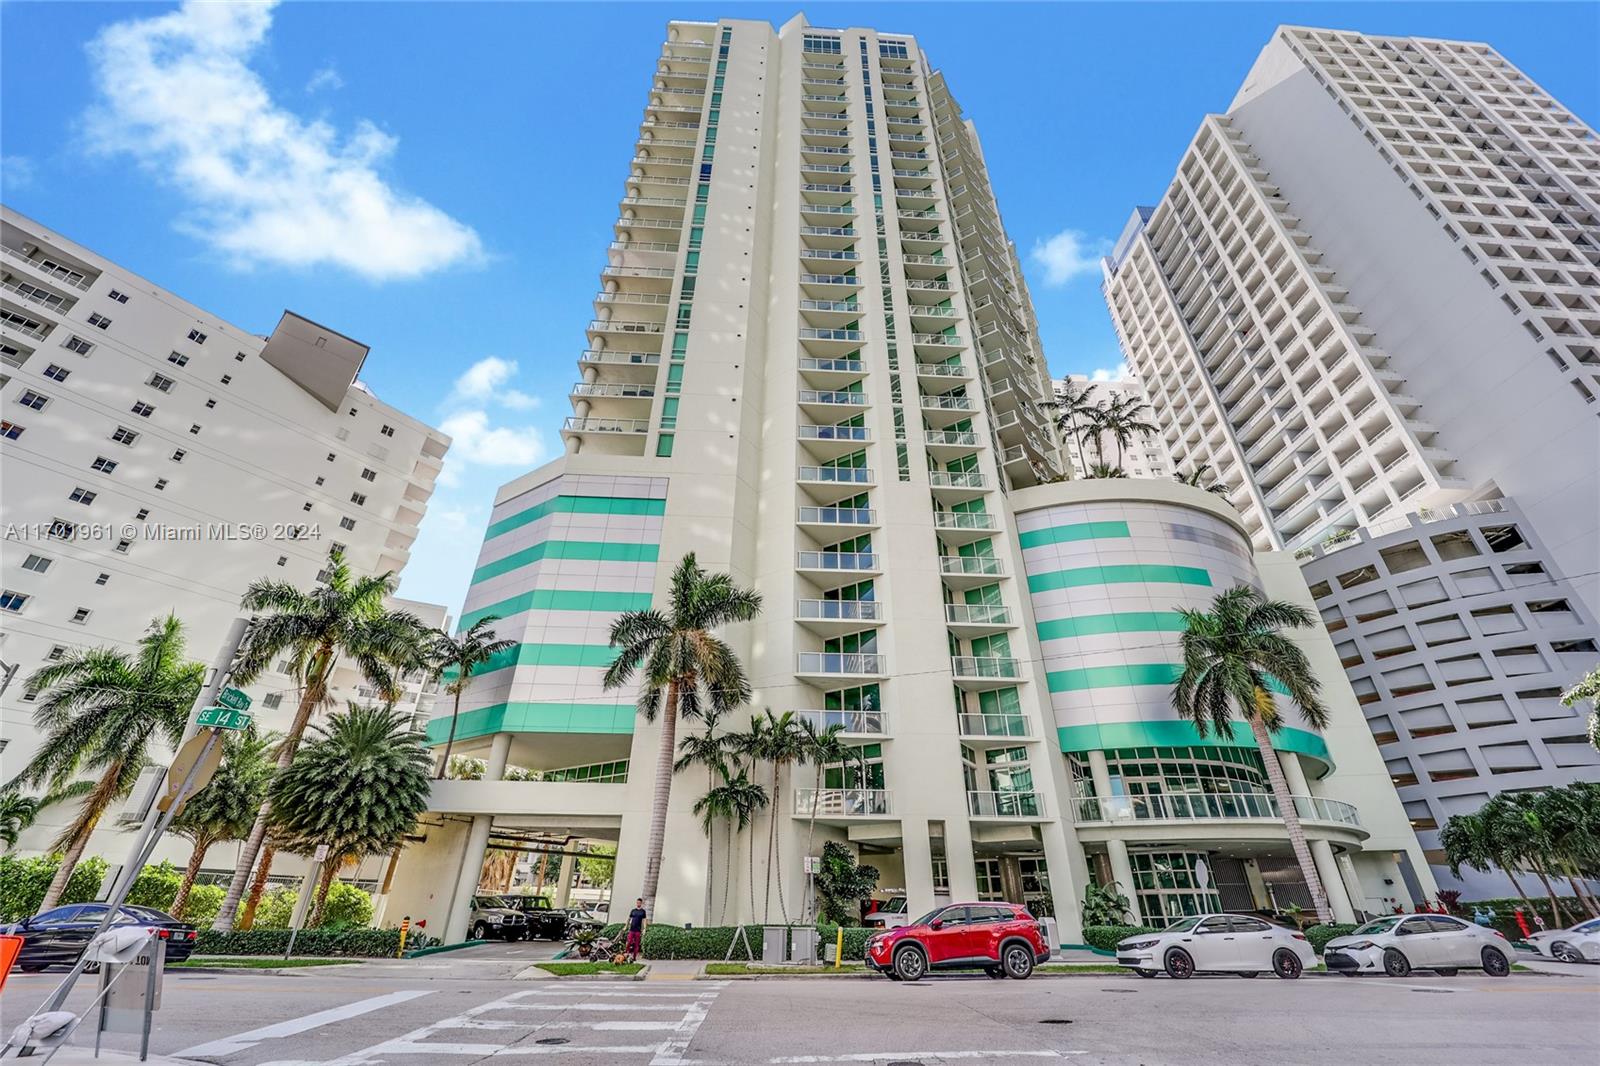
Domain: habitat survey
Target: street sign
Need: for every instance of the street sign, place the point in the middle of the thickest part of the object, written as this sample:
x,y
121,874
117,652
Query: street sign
x,y
321,854
201,744
233,699
223,718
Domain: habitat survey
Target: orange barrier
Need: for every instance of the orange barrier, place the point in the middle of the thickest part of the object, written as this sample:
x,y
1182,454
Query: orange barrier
x,y
10,948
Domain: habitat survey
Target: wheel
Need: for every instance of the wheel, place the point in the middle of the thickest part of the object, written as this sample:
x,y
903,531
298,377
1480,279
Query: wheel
x,y
1287,965
480,932
995,973
1565,952
1144,973
891,975
1396,964
1445,971
1017,961
1179,964
909,964
1495,963
1248,973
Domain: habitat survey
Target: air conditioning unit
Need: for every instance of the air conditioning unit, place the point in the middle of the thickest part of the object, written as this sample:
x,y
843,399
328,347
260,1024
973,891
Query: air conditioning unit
x,y
152,784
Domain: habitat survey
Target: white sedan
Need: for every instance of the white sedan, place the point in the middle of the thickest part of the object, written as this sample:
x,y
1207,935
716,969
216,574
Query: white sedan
x,y
1218,943
1580,943
1399,943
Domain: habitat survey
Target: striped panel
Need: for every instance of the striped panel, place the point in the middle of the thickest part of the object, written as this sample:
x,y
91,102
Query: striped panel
x,y
1112,676
587,550
560,600
1130,573
535,718
1038,538
1109,736
624,505
1090,625
545,655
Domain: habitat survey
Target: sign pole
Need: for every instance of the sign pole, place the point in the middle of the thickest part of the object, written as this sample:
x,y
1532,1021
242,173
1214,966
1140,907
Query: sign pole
x,y
221,669
302,907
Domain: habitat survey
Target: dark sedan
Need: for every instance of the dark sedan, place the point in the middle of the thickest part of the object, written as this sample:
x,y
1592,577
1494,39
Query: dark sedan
x,y
57,937
544,921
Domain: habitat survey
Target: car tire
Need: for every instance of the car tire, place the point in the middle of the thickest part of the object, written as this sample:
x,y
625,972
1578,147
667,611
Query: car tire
x,y
995,973
891,975
1287,965
1495,963
1017,961
1142,972
910,964
1180,964
1395,964
480,932
1564,952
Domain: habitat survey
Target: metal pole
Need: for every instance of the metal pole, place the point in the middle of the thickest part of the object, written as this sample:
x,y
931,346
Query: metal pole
x,y
302,906
221,670
10,672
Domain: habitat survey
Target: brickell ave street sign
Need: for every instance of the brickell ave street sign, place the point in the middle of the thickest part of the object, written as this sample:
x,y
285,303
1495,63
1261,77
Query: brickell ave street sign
x,y
223,718
233,699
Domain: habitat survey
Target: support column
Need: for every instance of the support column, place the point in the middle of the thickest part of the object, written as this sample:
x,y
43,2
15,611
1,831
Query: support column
x,y
471,870
1100,774
1294,773
1332,881
499,752
1122,871
564,884
1064,890
958,859
918,857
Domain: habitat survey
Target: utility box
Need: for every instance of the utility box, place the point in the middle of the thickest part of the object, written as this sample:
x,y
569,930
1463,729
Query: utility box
x,y
774,944
803,945
1052,936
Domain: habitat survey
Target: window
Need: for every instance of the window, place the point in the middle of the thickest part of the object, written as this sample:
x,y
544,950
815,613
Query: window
x,y
196,336
56,373
387,431
160,382
102,579
82,495
271,700
143,410
813,42
347,523
124,435
35,400
11,355
358,498
56,653
81,615
283,560
61,529
12,601
195,429
352,412
320,480
37,563
123,546
238,357
118,295
142,514
77,344
11,431
178,358
306,506
210,404
369,475
99,321
161,484
178,455
226,378
103,465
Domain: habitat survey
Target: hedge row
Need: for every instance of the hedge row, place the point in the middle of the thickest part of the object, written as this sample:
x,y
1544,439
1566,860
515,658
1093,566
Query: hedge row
x,y
712,942
1319,935
1106,937
368,943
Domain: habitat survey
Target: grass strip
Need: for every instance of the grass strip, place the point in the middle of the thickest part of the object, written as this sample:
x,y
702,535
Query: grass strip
x,y
579,969
201,962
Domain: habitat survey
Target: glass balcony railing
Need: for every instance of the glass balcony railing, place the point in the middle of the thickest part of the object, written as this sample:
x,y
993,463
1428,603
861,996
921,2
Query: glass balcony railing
x,y
1005,804
840,397
993,725
837,516
971,520
977,614
841,802
984,667
839,610
957,479
837,475
955,438
861,561
837,662
870,722
843,433
1181,807
972,565
574,424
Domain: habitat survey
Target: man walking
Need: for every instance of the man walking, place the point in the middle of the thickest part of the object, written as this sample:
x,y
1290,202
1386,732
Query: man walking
x,y
637,921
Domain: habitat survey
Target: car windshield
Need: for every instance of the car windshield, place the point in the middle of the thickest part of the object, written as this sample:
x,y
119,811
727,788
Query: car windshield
x,y
930,916
1380,925
1588,927
1182,925
895,906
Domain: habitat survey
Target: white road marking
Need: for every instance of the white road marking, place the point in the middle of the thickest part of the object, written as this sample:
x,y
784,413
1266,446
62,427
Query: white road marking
x,y
230,1045
875,1056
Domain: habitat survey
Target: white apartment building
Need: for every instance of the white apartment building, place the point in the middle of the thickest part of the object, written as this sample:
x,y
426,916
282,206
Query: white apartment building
x,y
1146,454
158,459
814,364
1372,291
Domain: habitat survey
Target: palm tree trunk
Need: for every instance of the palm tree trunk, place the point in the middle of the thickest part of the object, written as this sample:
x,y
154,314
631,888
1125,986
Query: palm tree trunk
x,y
1291,819
247,918
1550,890
330,870
711,841
783,908
1582,893
450,741
772,843
727,875
1523,896
663,793
190,872
258,832
94,806
811,833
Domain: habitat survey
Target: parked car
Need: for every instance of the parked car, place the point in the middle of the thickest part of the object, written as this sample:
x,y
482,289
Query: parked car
x,y
891,914
1396,944
58,936
493,920
1568,945
1001,939
544,921
583,918
1218,943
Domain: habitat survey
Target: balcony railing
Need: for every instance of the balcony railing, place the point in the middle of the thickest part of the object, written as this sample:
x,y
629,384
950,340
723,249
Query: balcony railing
x,y
836,662
837,475
837,516
1005,804
626,392
947,403
869,722
56,273
615,357
1179,807
992,667
837,366
994,725
970,520
829,279
809,560
839,610
837,802
574,424
846,306
844,433
972,565
957,438
977,614
842,397
609,325
957,479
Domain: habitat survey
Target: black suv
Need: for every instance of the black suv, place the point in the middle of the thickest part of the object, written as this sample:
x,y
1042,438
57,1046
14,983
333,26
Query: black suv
x,y
544,921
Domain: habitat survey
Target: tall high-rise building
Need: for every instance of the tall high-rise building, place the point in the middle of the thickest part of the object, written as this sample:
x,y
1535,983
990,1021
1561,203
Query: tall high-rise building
x,y
814,365
158,459
1370,298
1145,454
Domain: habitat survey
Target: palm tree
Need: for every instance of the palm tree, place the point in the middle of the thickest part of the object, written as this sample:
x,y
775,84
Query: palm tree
x,y
678,656
1568,816
782,741
226,808
1587,691
735,801
1523,815
1106,470
100,711
1122,417
1197,475
1072,403
1228,655
463,653
709,749
358,786
343,615
19,812
823,748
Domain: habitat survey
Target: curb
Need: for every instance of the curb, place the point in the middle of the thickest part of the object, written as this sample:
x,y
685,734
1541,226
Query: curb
x,y
440,948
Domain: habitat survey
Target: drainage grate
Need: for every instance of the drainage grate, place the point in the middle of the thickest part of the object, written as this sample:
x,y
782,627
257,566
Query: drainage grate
x,y
905,1062
1055,1021
1436,991
553,1040
1121,991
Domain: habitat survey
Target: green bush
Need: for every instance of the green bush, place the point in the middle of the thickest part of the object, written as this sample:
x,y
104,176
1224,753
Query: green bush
x,y
156,886
1319,935
712,942
855,940
276,907
204,903
23,883
369,943
1505,913
1106,937
347,906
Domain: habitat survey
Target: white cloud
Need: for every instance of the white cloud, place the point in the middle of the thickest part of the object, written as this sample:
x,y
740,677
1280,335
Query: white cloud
x,y
1120,372
1067,255
326,78
16,171
176,93
474,440
485,381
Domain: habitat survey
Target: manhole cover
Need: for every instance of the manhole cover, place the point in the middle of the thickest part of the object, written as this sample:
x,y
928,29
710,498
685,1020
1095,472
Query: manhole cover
x,y
1055,1021
553,1040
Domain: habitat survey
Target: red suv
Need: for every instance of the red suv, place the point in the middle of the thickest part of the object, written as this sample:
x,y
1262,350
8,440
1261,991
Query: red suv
x,y
1001,939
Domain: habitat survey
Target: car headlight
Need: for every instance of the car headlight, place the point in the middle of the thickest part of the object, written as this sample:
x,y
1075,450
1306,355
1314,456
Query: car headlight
x,y
495,919
1359,945
1134,945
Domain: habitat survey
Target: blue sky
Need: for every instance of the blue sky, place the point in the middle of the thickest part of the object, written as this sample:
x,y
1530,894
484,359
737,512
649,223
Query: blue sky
x,y
438,180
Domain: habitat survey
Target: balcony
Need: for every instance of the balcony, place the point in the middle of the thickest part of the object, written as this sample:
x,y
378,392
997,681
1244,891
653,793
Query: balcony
x,y
1005,805
837,480
969,571
829,666
830,442
834,522
828,284
956,486
978,727
1244,806
575,424
936,343
976,672
842,803
823,371
850,723
832,617
620,391
832,569
951,443
828,403
944,372
967,620
964,527
622,365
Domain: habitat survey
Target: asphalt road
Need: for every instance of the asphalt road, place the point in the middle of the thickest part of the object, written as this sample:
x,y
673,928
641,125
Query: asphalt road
x,y
462,1007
